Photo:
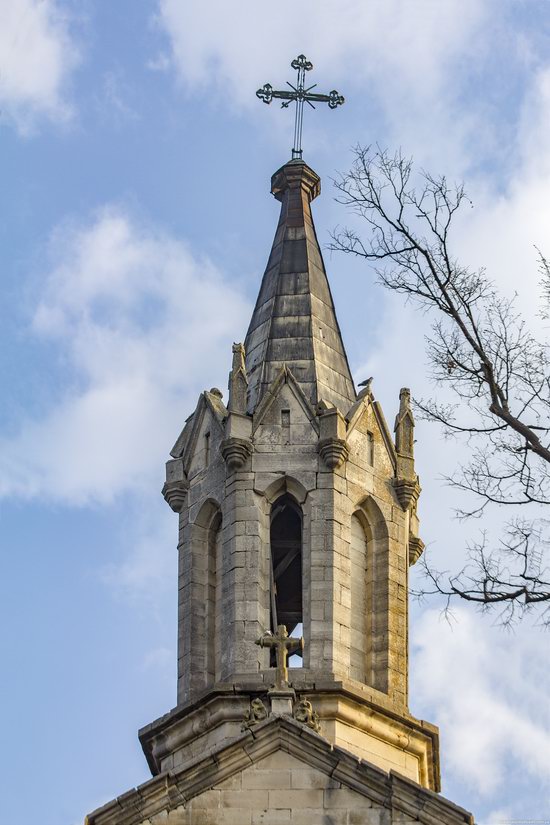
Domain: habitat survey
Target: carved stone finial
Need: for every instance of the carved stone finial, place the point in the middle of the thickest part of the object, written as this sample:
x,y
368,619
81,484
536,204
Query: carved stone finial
x,y
406,480
256,713
176,486
303,712
235,452
332,446
404,425
416,548
408,491
175,493
238,381
238,356
333,451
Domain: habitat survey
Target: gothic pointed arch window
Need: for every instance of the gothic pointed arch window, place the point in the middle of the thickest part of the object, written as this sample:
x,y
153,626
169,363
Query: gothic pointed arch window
x,y
214,599
358,600
286,563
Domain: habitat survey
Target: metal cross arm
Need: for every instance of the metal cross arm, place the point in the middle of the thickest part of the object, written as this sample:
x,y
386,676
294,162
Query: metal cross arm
x,y
299,94
267,93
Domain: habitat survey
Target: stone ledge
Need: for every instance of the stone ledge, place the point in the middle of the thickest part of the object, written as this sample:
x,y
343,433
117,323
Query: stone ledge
x,y
172,789
175,494
333,451
407,491
347,716
416,548
235,452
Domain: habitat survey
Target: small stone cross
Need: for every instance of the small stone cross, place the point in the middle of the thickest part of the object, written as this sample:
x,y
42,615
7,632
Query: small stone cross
x,y
284,645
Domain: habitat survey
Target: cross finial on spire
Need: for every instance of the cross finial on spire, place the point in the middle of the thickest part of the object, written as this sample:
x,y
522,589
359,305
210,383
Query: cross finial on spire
x,y
300,95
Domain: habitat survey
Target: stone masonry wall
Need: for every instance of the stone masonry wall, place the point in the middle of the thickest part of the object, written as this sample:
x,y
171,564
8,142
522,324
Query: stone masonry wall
x,y
285,458
279,790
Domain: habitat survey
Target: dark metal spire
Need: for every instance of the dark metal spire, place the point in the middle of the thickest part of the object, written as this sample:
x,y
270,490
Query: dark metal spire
x,y
300,95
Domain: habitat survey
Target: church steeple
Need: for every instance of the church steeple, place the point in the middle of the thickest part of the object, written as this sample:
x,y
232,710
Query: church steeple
x,y
294,321
297,515
297,526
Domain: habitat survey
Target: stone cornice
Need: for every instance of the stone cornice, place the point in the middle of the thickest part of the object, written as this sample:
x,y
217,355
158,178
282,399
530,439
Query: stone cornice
x,y
369,712
175,788
416,548
175,494
407,490
235,452
333,451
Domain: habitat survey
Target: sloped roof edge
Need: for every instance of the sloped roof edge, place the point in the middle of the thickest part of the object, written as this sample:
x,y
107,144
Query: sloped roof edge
x,y
170,790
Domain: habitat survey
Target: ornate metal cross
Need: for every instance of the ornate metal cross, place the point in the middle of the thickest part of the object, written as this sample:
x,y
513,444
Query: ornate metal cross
x,y
300,95
283,644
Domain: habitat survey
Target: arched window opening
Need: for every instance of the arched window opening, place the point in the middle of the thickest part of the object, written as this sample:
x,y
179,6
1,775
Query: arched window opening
x,y
358,599
214,598
286,564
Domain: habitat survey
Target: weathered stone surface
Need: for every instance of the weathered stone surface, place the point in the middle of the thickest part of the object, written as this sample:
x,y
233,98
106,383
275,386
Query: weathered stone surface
x,y
294,437
333,451
294,321
236,451
416,548
280,772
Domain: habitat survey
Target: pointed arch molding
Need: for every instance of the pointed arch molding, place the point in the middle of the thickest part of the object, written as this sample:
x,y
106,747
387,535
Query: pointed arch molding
x,y
208,511
272,490
372,518
282,485
199,606
377,571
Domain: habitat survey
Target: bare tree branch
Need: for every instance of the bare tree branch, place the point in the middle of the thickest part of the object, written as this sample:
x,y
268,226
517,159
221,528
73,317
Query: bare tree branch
x,y
480,349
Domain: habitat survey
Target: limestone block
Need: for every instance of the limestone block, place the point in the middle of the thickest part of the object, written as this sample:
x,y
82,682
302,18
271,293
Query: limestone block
x,y
297,463
296,799
267,779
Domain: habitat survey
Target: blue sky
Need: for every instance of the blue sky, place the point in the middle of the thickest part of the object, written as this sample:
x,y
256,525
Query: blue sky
x,y
135,225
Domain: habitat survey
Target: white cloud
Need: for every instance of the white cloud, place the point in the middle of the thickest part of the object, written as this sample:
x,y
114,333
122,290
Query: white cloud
x,y
483,687
37,56
141,324
499,233
355,39
511,214
146,573
408,59
114,100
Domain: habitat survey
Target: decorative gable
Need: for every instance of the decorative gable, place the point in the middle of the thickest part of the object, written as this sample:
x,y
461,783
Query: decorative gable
x,y
368,436
281,771
285,416
205,433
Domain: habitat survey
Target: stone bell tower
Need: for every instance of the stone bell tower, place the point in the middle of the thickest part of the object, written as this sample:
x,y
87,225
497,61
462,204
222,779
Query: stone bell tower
x,y
297,510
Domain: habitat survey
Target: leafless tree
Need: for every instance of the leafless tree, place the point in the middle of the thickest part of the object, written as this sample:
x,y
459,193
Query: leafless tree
x,y
484,353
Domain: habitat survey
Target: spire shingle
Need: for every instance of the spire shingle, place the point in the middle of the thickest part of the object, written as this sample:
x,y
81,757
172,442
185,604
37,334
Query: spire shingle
x,y
294,321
